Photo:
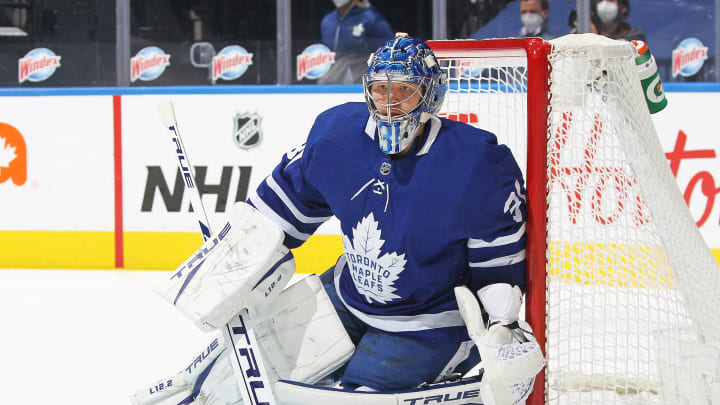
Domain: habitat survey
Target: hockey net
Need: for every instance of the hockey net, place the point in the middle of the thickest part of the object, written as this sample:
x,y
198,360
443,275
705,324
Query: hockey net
x,y
622,290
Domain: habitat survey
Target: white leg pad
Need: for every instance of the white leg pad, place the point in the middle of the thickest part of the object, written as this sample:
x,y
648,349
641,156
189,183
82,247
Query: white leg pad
x,y
455,393
304,339
301,339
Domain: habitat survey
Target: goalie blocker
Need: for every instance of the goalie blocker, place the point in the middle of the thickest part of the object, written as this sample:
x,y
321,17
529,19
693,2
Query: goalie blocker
x,y
242,267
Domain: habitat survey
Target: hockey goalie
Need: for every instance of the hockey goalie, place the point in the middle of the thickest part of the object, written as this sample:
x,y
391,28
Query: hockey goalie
x,y
432,213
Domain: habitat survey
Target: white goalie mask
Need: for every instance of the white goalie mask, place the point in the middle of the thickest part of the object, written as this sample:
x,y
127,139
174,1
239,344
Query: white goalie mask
x,y
404,87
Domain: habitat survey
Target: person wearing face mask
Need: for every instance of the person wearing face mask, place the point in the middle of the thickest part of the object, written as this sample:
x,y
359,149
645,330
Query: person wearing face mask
x,y
353,31
612,20
534,15
573,22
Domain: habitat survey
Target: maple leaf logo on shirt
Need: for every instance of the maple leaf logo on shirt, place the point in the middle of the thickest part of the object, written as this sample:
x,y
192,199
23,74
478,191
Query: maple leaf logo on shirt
x,y
373,275
358,30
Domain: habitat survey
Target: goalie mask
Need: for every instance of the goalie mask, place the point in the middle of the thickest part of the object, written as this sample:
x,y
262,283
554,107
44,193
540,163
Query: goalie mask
x,y
404,87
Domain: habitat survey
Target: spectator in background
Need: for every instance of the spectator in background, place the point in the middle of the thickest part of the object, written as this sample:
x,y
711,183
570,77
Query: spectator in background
x,y
534,15
353,31
612,16
573,22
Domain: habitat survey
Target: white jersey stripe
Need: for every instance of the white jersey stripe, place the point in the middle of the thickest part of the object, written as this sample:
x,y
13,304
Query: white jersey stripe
x,y
501,261
289,204
285,225
499,241
399,323
370,128
435,125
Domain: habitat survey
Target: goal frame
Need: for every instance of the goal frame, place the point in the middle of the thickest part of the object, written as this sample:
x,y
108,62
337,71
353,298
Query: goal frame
x,y
536,51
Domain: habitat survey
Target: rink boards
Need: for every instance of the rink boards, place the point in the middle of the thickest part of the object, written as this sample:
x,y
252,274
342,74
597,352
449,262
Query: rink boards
x,y
101,187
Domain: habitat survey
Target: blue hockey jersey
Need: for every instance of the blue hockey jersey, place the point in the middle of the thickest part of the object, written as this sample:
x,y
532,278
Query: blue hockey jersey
x,y
449,213
360,31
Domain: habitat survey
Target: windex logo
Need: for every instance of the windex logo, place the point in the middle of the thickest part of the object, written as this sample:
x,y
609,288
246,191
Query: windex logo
x,y
230,63
37,65
247,130
314,62
688,58
148,64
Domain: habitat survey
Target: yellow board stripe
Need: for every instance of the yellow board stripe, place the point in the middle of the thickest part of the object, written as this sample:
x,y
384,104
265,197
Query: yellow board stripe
x,y
610,264
142,250
57,250
167,250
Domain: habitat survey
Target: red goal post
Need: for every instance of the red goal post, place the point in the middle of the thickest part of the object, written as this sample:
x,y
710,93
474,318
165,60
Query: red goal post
x,y
536,52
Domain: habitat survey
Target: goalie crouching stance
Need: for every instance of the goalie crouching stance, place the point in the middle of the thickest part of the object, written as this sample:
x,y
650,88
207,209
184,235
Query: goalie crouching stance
x,y
432,220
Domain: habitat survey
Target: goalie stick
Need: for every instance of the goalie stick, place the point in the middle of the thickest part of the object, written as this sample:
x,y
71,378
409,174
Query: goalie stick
x,y
462,391
250,372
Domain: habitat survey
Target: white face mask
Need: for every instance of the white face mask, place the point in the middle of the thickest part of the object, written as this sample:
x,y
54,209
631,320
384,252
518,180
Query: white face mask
x,y
532,22
607,11
340,3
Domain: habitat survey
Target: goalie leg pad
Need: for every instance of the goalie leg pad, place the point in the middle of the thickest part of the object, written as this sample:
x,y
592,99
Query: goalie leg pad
x,y
301,339
304,339
244,266
208,375
466,392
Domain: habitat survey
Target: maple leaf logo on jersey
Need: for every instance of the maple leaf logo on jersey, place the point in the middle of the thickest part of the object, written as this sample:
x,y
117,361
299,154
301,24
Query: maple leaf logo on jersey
x,y
373,275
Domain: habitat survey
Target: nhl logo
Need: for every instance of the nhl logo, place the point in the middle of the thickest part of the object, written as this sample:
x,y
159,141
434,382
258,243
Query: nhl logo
x,y
385,168
247,131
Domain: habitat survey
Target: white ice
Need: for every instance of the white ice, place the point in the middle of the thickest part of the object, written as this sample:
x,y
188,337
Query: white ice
x,y
87,337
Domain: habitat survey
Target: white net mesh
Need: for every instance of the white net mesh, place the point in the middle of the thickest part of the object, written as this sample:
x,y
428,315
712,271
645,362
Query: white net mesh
x,y
485,91
632,290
